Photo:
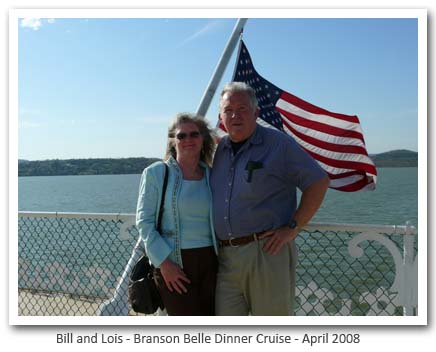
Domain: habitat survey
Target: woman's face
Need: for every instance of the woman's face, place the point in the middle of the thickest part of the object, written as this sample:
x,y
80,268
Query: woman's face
x,y
188,140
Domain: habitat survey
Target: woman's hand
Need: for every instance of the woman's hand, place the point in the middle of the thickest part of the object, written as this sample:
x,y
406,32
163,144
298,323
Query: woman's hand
x,y
174,276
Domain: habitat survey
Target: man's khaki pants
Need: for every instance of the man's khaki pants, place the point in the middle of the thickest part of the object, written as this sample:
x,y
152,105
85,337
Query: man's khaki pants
x,y
251,281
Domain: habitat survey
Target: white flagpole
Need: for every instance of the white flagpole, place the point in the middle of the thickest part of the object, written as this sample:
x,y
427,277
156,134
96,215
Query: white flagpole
x,y
219,70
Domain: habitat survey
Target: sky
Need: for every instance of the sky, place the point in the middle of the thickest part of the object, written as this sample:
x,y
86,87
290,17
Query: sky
x,y
108,87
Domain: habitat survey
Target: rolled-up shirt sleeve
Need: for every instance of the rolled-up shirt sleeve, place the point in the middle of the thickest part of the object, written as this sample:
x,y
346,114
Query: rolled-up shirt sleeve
x,y
299,165
156,247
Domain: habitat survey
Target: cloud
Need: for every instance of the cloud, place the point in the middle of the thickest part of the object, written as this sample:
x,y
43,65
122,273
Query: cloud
x,y
35,23
29,111
202,31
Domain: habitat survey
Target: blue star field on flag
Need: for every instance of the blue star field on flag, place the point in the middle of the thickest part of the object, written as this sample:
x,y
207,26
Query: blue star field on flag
x,y
267,93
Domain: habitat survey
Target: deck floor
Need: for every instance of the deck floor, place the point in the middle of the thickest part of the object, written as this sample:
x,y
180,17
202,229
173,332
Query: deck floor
x,y
55,304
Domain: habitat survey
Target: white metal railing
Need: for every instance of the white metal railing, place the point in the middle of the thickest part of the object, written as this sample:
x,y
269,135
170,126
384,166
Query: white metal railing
x,y
344,269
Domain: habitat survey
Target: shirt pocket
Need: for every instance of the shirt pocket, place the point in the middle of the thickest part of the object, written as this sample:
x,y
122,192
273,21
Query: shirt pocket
x,y
255,176
262,185
257,180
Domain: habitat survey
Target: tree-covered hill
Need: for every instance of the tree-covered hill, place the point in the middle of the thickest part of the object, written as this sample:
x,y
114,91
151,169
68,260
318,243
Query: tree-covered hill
x,y
396,158
83,166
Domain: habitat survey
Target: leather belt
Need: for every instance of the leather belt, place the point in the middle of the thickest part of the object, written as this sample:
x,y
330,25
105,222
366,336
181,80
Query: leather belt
x,y
240,241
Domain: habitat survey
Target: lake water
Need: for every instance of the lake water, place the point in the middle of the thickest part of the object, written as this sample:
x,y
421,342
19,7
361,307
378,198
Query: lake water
x,y
394,202
323,258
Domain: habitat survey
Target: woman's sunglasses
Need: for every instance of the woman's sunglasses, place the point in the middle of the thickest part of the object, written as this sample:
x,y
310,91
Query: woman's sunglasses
x,y
182,135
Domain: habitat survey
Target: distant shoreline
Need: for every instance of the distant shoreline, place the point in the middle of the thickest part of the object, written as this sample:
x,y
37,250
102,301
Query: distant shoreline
x,y
126,166
139,173
73,167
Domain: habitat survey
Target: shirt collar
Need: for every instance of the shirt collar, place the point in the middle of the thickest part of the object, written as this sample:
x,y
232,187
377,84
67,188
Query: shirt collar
x,y
255,138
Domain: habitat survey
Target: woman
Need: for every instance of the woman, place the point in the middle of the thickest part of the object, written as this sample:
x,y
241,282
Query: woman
x,y
184,252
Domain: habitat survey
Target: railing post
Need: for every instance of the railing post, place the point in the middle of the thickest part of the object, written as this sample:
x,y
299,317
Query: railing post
x,y
409,282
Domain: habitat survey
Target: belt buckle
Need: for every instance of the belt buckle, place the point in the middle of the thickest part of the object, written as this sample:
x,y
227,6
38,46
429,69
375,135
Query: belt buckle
x,y
231,244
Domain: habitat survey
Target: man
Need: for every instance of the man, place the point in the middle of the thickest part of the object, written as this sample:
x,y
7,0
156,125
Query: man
x,y
255,174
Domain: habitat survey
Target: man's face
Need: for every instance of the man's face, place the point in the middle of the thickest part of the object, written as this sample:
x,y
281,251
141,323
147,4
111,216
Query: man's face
x,y
238,115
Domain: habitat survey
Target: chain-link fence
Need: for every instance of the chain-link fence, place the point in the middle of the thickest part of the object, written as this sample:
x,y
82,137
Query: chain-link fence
x,y
69,264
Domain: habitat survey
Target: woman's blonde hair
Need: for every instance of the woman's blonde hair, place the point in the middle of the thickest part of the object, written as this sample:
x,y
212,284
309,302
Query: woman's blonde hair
x,y
208,148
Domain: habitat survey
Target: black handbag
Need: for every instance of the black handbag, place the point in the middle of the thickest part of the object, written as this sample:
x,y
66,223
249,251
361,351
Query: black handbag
x,y
143,294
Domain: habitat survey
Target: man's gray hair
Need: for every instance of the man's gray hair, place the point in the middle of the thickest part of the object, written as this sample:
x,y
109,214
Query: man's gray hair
x,y
241,87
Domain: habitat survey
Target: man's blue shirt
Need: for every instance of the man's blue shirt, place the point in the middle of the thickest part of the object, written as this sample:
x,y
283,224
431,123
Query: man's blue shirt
x,y
255,190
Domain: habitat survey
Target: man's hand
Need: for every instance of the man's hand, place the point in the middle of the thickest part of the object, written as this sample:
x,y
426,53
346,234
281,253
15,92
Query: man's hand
x,y
174,276
278,239
311,199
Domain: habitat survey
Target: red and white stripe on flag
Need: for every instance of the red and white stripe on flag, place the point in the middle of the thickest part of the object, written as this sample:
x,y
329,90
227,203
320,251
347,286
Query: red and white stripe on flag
x,y
334,140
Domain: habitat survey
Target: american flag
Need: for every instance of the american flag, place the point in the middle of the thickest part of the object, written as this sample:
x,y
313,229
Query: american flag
x,y
334,140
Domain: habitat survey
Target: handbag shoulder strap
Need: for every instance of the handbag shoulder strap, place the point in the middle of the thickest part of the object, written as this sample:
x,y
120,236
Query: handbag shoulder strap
x,y
164,189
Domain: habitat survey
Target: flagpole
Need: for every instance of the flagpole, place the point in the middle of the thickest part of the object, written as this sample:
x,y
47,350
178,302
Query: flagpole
x,y
219,70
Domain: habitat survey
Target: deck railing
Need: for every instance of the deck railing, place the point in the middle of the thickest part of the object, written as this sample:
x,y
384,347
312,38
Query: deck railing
x,y
69,263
